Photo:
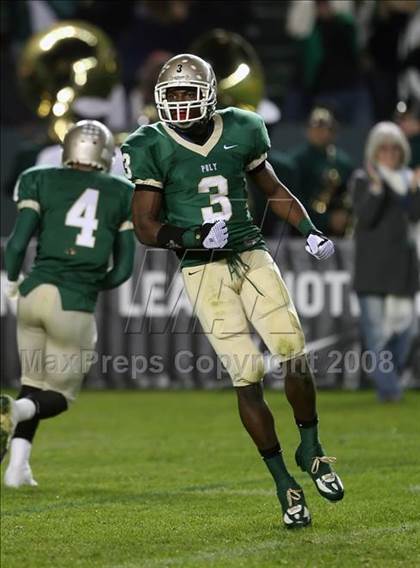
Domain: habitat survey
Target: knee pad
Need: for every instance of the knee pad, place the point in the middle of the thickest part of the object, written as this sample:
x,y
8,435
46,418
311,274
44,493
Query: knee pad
x,y
49,403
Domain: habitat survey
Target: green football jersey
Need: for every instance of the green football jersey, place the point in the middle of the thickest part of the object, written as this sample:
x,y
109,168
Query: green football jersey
x,y
202,183
80,213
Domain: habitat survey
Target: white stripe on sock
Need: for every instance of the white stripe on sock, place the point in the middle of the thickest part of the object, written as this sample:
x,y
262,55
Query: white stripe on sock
x,y
25,409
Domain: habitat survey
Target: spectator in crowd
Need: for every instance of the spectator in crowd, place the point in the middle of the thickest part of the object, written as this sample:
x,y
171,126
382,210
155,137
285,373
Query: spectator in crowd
x,y
388,28
409,54
328,69
386,199
407,116
323,171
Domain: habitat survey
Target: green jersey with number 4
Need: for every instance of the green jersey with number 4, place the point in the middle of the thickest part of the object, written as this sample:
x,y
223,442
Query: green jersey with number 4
x,y
202,183
80,213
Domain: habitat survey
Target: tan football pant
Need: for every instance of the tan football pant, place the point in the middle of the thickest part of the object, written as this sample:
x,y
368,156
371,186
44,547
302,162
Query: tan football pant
x,y
55,345
226,303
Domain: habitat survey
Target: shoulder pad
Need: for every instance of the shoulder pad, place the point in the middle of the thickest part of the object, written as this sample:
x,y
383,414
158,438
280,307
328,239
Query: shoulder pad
x,y
148,134
33,170
244,117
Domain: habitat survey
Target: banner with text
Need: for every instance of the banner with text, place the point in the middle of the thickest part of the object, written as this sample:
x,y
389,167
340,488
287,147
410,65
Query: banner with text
x,y
149,338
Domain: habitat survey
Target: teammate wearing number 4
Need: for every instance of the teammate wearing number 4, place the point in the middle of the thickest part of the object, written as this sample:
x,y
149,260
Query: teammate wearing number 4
x,y
82,215
189,170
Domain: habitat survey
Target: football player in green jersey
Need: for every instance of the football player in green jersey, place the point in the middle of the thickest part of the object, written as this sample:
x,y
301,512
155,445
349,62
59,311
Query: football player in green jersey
x,y
82,215
190,175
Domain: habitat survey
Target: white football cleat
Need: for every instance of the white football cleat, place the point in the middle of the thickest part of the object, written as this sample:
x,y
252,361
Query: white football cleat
x,y
8,422
16,477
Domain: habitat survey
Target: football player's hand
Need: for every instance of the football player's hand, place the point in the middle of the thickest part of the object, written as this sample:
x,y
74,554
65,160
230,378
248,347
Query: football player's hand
x,y
318,245
12,288
214,235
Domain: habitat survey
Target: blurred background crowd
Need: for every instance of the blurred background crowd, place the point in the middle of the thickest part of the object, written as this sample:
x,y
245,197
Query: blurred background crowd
x,y
320,72
337,83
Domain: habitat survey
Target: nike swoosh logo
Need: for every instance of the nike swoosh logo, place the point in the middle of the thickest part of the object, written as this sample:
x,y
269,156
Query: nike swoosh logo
x,y
229,147
195,272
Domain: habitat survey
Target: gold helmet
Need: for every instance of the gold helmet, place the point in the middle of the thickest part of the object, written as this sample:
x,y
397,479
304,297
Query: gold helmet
x,y
186,71
68,60
89,143
238,70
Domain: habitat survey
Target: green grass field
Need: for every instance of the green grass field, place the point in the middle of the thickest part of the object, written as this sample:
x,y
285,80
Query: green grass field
x,y
132,479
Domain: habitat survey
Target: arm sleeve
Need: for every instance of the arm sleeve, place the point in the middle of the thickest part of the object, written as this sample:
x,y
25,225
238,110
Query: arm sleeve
x,y
261,145
123,260
26,225
26,194
140,164
123,250
126,223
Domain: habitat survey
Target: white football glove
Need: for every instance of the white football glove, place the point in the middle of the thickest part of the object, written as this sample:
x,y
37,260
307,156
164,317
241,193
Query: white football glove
x,y
319,246
217,235
12,288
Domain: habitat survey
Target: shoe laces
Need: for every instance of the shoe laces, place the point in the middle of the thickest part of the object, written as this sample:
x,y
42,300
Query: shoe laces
x,y
321,459
293,495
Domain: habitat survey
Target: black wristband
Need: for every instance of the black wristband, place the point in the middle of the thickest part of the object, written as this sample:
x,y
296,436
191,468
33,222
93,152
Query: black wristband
x,y
170,237
193,238
173,237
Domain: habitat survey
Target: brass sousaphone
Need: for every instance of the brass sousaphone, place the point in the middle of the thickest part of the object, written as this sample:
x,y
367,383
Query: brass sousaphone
x,y
68,60
239,73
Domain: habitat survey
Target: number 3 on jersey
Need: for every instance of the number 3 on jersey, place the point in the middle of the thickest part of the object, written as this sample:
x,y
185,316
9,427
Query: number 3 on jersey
x,y
83,214
219,198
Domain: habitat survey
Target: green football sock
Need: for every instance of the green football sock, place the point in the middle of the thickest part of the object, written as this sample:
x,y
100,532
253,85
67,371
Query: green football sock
x,y
308,432
273,459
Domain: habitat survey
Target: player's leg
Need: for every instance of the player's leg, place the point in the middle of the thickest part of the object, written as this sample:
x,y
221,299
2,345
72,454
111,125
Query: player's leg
x,y
310,455
31,345
271,311
258,420
71,338
20,415
34,402
46,404
376,340
218,307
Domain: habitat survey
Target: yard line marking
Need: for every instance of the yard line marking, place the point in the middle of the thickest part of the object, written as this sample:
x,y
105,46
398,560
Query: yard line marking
x,y
105,501
225,491
164,494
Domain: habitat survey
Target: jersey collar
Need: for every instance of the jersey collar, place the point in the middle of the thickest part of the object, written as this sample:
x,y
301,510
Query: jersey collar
x,y
206,148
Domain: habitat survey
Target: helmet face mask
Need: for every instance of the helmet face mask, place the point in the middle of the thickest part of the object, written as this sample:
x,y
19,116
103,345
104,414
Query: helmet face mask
x,y
196,79
89,143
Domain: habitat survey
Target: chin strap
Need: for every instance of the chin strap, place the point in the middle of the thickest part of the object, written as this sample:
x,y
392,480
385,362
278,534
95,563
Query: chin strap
x,y
190,130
